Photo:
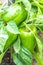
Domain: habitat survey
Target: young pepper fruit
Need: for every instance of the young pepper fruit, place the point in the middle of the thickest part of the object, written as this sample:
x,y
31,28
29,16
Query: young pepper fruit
x,y
27,38
10,40
15,12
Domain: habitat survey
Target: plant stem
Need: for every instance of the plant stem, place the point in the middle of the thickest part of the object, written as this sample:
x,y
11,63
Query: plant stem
x,y
11,51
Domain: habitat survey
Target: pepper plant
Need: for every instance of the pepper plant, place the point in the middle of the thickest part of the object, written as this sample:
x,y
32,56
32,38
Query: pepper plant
x,y
20,24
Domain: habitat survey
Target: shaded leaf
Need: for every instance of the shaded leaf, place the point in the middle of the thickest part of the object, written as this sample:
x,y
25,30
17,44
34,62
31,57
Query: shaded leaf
x,y
39,44
16,45
24,57
3,39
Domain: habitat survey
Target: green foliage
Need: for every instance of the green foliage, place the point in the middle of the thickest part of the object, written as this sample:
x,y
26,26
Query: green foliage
x,y
24,39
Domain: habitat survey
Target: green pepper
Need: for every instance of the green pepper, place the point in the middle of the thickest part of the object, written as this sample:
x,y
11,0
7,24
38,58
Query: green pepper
x,y
10,40
15,12
28,39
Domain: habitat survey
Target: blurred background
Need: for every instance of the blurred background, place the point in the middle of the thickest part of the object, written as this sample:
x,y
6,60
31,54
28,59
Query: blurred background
x,y
2,1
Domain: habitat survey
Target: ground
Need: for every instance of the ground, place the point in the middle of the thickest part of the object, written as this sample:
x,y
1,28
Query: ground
x,y
7,60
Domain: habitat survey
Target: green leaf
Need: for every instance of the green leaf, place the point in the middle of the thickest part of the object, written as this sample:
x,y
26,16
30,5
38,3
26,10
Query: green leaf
x,y
3,39
16,60
39,44
16,45
26,51
27,5
40,28
33,12
39,12
39,19
24,57
12,27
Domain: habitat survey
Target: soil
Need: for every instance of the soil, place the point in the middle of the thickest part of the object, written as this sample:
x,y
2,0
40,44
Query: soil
x,y
7,60
34,62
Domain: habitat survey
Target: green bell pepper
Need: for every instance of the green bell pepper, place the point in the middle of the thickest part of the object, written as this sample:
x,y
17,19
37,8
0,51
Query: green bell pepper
x,y
27,38
15,12
10,40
